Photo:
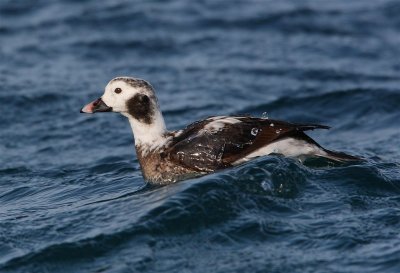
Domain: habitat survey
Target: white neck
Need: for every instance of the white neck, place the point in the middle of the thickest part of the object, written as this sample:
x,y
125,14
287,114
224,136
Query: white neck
x,y
149,136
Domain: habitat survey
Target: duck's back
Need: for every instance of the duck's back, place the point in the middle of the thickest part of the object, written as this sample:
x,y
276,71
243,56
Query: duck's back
x,y
220,142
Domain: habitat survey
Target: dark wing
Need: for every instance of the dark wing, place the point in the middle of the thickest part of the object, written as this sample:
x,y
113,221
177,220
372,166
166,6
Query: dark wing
x,y
201,148
268,131
197,149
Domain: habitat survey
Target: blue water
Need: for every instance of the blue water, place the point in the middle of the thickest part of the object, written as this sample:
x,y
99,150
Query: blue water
x,y
72,197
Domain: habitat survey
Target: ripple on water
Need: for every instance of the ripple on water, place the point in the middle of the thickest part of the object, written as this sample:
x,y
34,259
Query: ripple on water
x,y
72,197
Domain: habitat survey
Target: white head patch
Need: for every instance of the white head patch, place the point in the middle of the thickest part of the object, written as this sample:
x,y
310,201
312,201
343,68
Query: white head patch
x,y
135,99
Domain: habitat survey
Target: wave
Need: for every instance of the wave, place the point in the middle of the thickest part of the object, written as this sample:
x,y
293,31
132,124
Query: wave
x,y
340,106
225,201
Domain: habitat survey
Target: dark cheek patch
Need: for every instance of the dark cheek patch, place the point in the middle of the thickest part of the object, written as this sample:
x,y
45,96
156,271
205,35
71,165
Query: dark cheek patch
x,y
140,108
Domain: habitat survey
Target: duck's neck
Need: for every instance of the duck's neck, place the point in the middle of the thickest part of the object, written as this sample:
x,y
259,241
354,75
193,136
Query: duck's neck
x,y
149,137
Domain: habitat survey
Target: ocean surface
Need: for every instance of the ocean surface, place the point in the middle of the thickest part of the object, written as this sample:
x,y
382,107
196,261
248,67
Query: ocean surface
x,y
72,197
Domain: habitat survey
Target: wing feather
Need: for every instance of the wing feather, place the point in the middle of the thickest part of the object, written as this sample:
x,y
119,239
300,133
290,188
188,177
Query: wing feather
x,y
207,150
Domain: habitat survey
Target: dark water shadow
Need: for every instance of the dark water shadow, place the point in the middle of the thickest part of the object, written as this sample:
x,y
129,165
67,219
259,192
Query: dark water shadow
x,y
145,188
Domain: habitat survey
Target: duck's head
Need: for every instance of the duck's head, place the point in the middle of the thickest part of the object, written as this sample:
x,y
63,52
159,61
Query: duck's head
x,y
133,98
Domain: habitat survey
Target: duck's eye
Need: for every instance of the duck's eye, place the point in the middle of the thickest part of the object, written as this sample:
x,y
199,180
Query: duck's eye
x,y
118,90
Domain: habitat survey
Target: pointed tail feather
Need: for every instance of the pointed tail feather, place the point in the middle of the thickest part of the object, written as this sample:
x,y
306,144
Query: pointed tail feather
x,y
339,156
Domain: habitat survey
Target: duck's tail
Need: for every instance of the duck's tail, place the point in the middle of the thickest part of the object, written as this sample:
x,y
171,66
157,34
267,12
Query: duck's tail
x,y
339,156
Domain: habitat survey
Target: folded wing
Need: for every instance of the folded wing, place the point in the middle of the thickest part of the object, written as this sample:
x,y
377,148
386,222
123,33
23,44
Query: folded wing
x,y
217,142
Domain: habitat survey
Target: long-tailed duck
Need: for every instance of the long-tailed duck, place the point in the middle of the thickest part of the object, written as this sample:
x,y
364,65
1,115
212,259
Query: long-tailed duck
x,y
204,146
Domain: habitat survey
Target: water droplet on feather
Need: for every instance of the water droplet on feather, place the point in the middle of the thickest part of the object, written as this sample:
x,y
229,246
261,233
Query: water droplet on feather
x,y
264,115
254,131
